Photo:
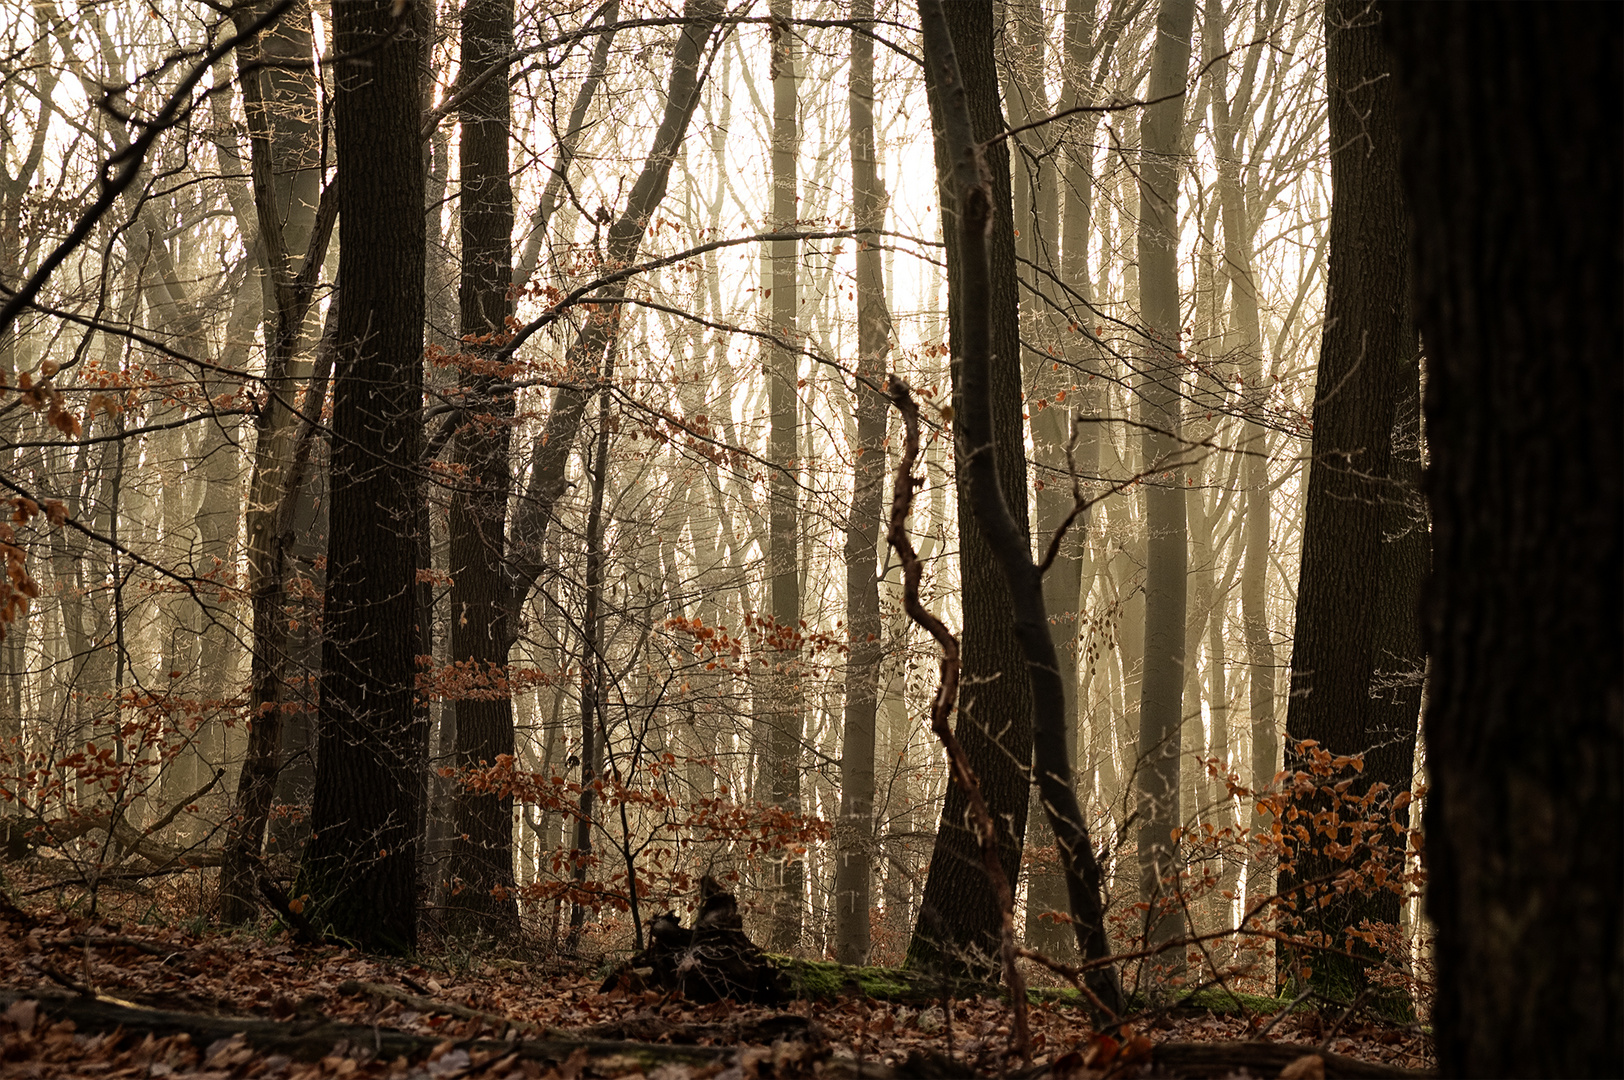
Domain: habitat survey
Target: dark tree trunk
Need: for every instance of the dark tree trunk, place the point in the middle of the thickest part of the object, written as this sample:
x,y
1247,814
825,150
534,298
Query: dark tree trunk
x,y
482,834
360,867
855,831
1037,212
1511,135
979,458
1356,664
958,926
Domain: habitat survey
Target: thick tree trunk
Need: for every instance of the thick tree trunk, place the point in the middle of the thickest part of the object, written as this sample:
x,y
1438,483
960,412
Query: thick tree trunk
x,y
1511,128
360,867
855,830
979,458
481,866
958,926
784,696
1161,703
1349,692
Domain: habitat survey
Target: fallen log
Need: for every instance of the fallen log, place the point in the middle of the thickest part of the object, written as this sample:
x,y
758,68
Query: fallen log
x,y
1218,1059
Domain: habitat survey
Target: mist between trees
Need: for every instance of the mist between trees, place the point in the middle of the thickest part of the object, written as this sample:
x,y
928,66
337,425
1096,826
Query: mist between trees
x,y
447,464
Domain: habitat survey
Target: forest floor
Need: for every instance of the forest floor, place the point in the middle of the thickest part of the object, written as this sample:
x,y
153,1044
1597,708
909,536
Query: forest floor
x,y
99,997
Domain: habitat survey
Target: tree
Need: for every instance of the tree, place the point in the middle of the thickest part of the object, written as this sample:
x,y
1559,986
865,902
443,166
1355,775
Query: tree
x,y
855,834
1022,575
958,927
481,867
292,234
782,719
1356,666
1510,124
1161,710
360,866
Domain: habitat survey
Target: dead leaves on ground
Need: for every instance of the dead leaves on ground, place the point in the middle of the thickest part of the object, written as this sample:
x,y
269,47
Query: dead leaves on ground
x,y
248,975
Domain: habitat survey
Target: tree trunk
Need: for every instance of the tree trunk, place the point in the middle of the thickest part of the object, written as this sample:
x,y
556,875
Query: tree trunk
x,y
958,926
280,103
481,865
1348,693
855,831
979,457
1036,195
550,453
1511,126
784,696
360,867
1161,707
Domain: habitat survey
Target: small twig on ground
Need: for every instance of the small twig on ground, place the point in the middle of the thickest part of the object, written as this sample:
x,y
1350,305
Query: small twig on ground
x,y
355,988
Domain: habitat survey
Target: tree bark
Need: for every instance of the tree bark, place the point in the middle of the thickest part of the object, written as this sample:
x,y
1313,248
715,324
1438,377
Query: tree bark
x,y
855,830
284,142
958,926
1161,708
784,696
1510,124
481,864
1349,692
979,457
360,867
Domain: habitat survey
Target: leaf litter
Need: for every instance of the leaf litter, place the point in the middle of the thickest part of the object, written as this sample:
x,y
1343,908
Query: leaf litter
x,y
471,1020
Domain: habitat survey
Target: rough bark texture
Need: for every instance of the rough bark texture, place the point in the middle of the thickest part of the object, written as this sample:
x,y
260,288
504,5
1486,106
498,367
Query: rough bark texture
x,y
360,867
855,830
1356,665
1511,129
958,925
1161,708
481,868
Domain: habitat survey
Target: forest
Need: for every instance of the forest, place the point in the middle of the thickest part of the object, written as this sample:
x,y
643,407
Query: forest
x,y
747,538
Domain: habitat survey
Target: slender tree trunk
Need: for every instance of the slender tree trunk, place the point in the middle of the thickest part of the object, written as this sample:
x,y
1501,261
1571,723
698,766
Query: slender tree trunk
x,y
784,697
1510,128
481,867
550,453
592,678
1161,708
1345,692
958,927
280,103
360,867
1036,195
855,837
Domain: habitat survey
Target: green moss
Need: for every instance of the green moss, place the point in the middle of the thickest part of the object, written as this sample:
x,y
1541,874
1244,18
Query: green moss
x,y
825,979
819,979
